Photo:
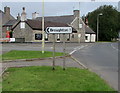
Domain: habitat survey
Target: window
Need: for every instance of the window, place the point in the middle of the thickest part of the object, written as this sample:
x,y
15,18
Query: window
x,y
72,35
46,37
22,25
68,37
38,36
86,37
8,28
58,37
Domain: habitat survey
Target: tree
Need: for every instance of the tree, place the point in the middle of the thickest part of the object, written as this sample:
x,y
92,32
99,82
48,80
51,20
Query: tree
x,y
108,22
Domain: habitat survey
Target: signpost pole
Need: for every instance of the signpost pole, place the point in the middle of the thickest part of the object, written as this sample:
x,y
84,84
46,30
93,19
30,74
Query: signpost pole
x,y
64,49
59,30
53,51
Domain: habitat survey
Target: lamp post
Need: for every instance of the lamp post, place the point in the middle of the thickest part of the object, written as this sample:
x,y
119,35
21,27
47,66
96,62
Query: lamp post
x,y
43,39
98,25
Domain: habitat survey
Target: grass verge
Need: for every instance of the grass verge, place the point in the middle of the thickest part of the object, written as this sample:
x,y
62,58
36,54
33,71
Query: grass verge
x,y
16,54
44,79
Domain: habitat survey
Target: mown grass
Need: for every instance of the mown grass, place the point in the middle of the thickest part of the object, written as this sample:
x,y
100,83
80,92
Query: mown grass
x,y
45,79
17,54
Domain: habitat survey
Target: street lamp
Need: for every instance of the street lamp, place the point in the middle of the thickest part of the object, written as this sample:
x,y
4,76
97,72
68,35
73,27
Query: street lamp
x,y
100,14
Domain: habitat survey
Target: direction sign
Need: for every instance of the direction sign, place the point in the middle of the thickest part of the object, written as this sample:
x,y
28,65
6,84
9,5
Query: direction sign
x,y
59,30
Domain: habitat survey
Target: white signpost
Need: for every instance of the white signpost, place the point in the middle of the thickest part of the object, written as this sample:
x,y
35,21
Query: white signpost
x,y
58,30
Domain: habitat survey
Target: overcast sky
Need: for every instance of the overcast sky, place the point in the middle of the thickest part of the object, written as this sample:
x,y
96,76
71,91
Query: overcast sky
x,y
54,8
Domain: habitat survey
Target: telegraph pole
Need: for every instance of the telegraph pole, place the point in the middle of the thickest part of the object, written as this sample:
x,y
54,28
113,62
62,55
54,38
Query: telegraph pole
x,y
98,26
43,37
79,25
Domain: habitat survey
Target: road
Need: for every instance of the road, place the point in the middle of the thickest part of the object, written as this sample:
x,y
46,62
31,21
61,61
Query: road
x,y
101,58
38,46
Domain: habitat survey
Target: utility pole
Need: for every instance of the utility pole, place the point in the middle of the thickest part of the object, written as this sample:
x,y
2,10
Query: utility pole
x,y
53,51
43,37
79,25
64,49
98,25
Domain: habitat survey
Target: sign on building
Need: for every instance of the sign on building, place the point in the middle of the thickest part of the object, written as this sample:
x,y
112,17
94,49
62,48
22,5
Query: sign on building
x,y
38,36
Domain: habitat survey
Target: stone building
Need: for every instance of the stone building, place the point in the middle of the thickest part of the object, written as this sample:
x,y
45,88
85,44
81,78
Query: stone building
x,y
5,17
27,30
32,32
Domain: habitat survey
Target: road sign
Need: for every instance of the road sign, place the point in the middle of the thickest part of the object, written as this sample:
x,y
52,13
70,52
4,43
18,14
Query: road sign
x,y
59,30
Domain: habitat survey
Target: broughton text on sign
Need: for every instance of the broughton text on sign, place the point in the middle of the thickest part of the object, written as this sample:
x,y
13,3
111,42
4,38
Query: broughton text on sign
x,y
58,30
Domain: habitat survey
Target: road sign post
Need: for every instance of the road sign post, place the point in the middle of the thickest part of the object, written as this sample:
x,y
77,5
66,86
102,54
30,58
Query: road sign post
x,y
64,49
59,30
53,51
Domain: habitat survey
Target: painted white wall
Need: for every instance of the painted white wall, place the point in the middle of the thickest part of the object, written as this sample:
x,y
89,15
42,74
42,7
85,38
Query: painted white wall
x,y
88,37
12,40
93,37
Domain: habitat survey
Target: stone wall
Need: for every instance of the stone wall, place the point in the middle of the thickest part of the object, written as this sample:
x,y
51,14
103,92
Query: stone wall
x,y
25,33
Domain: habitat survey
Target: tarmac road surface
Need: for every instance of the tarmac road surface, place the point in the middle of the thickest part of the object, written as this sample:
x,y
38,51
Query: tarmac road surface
x,y
101,58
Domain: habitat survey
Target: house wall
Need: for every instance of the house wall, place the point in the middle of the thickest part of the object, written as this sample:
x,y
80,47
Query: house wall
x,y
90,37
5,17
81,31
33,35
4,29
93,36
68,37
23,33
29,35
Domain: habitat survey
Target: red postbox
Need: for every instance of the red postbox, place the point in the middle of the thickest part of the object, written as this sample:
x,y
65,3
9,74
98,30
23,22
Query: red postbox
x,y
8,34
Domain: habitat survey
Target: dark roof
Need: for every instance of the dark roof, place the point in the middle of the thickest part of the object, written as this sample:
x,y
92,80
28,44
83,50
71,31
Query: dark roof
x,y
66,20
10,23
3,18
88,30
1,11
60,19
37,25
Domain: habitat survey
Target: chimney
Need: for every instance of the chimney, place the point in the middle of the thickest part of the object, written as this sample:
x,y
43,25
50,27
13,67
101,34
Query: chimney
x,y
35,15
7,11
18,17
23,15
76,13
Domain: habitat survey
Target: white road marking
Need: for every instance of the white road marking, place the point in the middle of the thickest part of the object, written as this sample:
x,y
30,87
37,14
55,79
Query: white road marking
x,y
114,47
79,62
77,48
3,70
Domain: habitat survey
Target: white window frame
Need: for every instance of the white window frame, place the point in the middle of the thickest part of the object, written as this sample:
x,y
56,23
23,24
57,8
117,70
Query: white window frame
x,y
8,28
46,36
22,25
58,36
